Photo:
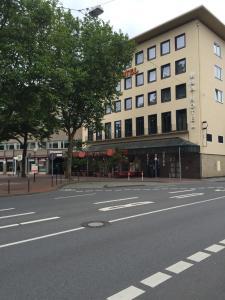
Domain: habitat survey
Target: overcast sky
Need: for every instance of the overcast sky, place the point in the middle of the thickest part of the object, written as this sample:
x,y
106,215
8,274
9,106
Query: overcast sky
x,y
136,16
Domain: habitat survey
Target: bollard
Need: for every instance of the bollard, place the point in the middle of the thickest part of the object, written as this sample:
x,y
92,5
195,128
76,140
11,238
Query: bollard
x,y
128,176
8,186
34,179
142,176
28,185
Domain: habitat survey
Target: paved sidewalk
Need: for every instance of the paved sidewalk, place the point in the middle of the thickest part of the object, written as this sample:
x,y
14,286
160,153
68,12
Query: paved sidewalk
x,y
13,185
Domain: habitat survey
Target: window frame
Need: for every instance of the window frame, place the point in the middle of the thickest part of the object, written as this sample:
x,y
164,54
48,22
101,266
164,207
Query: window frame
x,y
148,52
155,117
176,62
176,91
164,66
218,68
128,133
149,94
216,46
163,90
136,101
136,77
217,93
161,47
125,81
141,129
209,137
116,110
176,39
149,72
220,139
115,129
136,57
125,101
108,137
168,113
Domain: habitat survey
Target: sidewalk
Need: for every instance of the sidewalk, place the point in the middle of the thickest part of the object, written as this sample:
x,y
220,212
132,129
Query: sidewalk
x,y
12,185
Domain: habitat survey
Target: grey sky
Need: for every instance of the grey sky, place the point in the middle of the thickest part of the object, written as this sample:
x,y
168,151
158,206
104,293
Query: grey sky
x,y
136,16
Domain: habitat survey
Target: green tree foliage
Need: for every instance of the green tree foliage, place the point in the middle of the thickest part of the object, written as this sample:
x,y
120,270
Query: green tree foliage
x,y
27,105
88,66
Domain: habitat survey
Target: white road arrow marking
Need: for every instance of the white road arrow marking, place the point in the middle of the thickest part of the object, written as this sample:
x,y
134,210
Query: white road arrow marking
x,y
125,205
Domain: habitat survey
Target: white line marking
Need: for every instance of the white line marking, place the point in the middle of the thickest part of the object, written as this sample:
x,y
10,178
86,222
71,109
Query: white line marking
x,y
199,256
222,242
187,195
4,209
40,220
17,215
125,205
215,248
179,267
74,196
166,209
8,226
118,190
117,200
40,237
219,190
182,191
127,294
156,279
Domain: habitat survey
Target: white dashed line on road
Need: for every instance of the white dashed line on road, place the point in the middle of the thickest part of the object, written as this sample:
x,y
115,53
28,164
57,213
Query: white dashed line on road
x,y
199,256
156,279
187,195
17,215
179,267
73,196
116,200
181,191
39,220
8,226
215,248
127,294
125,206
5,209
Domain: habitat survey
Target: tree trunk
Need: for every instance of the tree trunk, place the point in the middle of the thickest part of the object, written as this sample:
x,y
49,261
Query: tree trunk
x,y
24,157
69,156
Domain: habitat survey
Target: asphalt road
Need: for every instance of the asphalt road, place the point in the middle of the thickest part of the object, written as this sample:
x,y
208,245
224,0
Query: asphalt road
x,y
161,242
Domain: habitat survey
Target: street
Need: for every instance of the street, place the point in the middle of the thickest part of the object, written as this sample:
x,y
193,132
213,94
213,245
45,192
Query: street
x,y
154,241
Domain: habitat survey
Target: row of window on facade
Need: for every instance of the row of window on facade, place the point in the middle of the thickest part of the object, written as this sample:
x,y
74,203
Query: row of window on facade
x,y
180,67
209,138
180,42
36,145
166,126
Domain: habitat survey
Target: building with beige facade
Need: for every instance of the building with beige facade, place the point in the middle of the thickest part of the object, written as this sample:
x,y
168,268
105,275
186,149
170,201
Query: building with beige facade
x,y
170,117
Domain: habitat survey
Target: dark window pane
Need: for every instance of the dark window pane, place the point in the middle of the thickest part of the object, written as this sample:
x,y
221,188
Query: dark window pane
x,y
181,119
152,124
181,91
180,66
139,126
108,130
98,135
209,137
166,122
117,129
90,135
152,98
128,127
220,139
165,95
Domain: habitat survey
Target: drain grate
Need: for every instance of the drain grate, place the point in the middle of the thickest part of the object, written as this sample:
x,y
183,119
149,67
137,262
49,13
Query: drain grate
x,y
95,224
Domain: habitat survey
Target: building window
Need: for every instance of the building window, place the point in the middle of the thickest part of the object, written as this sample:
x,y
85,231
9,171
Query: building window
x,y
2,147
98,135
152,75
118,87
117,106
152,98
90,134
139,79
166,95
180,41
152,124
108,131
165,71
217,49
218,72
165,47
181,119
108,109
128,127
51,145
180,66
139,58
128,103
209,137
117,129
166,122
152,53
218,96
220,139
181,91
139,126
139,101
127,83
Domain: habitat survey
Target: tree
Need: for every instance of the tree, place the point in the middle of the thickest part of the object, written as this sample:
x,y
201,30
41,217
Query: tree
x,y
88,66
27,104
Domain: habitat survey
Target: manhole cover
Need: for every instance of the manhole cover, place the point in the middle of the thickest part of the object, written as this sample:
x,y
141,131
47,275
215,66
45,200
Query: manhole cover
x,y
95,224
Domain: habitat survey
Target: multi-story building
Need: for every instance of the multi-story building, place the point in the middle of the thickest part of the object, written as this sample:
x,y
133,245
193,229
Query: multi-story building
x,y
170,117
